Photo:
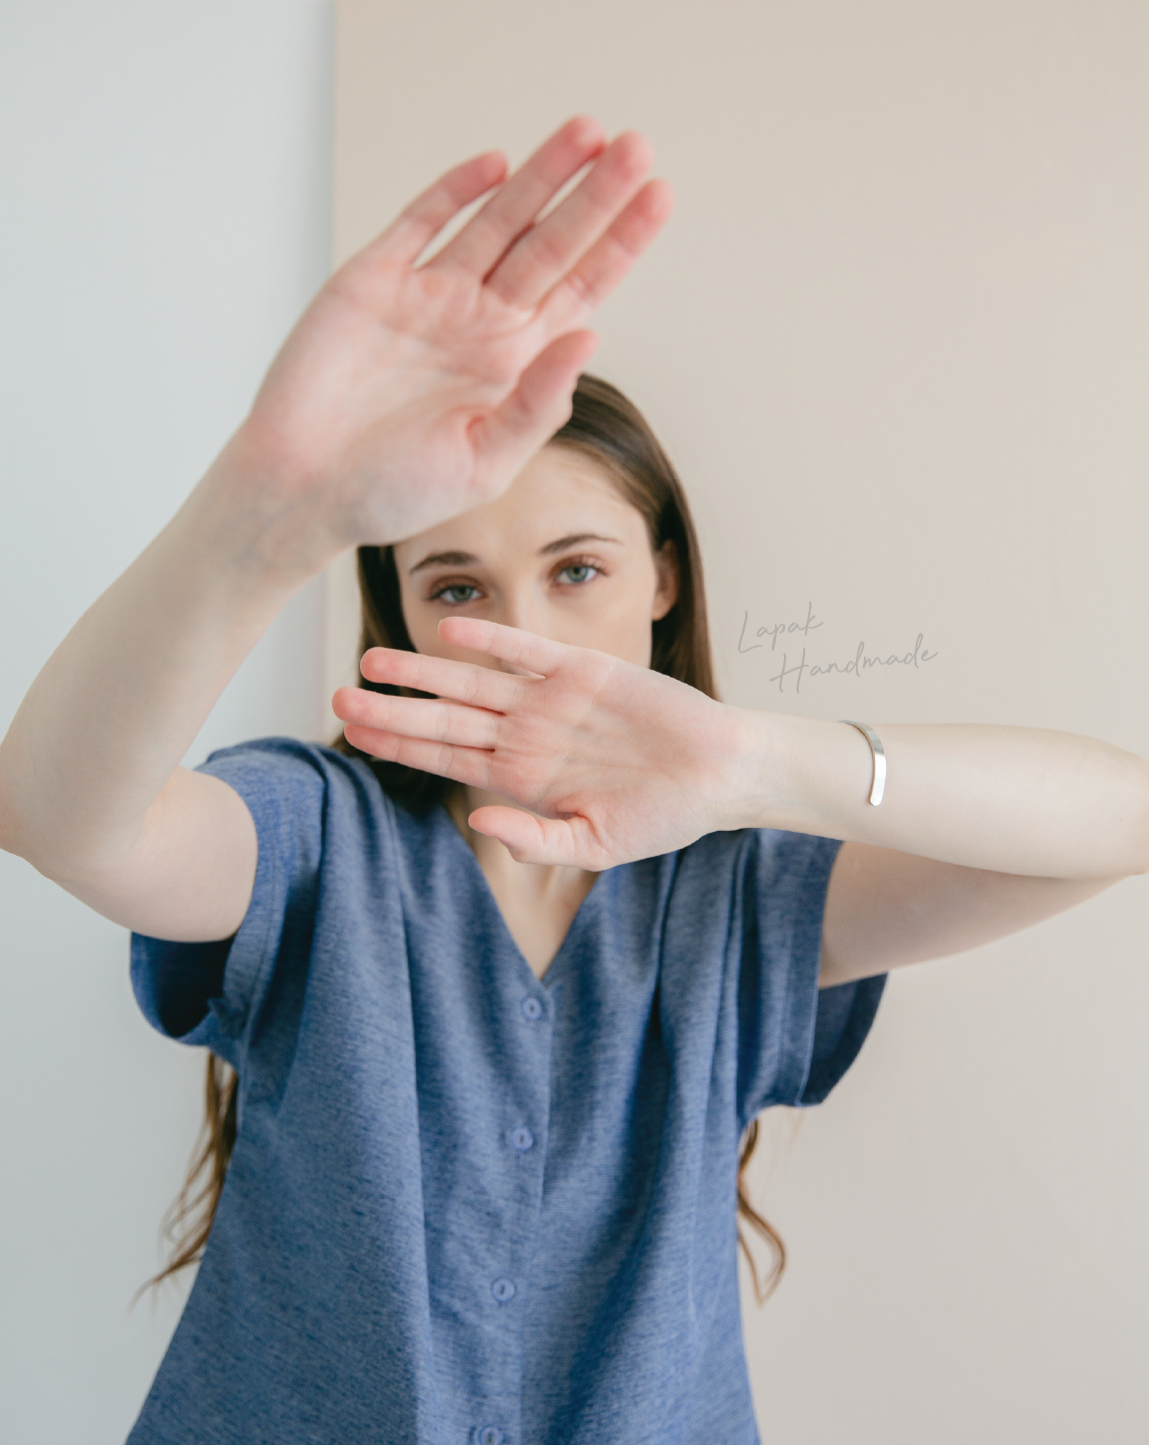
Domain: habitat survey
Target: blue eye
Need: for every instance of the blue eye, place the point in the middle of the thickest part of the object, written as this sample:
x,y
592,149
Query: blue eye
x,y
455,587
578,567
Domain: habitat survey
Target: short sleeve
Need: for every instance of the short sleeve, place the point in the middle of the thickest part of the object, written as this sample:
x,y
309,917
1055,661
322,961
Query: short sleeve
x,y
209,994
795,1040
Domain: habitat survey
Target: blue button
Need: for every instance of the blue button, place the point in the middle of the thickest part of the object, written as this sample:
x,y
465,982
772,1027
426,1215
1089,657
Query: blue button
x,y
522,1138
490,1435
531,1008
503,1289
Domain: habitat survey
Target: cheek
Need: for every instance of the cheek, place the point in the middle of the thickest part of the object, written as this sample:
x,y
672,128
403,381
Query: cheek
x,y
624,629
420,621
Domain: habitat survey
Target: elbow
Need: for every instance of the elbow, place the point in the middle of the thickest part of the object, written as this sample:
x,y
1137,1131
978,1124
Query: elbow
x,y
12,835
21,821
16,837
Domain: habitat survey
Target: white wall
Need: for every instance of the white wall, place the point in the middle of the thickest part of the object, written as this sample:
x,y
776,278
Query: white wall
x,y
166,196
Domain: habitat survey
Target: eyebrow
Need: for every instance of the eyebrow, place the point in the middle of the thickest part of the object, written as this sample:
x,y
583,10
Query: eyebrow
x,y
466,559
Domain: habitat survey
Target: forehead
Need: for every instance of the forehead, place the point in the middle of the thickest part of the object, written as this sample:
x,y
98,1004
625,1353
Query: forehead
x,y
560,491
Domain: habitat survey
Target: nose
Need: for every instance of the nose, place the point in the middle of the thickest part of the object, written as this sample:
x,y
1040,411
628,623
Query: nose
x,y
521,608
524,609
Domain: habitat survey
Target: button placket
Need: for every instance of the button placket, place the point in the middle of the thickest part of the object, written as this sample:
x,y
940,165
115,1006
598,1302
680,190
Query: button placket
x,y
522,1140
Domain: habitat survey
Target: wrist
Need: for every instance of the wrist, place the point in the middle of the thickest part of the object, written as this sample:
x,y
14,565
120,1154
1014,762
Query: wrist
x,y
795,773
256,521
758,769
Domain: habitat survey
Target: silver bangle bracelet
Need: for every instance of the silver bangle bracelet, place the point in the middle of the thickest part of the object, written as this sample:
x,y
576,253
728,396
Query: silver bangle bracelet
x,y
879,754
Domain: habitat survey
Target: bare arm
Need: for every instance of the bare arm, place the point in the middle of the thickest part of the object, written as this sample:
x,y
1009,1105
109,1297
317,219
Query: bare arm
x,y
1011,799
405,395
983,830
90,790
885,910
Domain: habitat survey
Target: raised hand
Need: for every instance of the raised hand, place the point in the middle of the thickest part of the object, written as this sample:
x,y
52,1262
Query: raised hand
x,y
406,394
621,762
409,393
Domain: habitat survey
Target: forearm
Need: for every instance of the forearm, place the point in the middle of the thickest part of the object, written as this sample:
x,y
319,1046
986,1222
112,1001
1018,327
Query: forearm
x,y
116,707
1011,799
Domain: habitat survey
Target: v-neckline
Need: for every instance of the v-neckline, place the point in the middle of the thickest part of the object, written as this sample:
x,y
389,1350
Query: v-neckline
x,y
547,977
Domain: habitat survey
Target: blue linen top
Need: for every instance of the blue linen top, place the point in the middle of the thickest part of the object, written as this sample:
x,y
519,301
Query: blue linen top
x,y
467,1206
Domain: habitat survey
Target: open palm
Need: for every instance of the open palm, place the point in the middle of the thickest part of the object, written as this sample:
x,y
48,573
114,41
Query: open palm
x,y
409,393
621,762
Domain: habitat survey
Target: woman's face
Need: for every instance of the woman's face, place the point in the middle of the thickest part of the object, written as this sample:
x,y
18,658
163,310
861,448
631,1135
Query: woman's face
x,y
560,553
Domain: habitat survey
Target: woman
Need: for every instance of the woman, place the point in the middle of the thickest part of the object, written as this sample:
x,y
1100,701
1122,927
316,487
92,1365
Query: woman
x,y
496,1051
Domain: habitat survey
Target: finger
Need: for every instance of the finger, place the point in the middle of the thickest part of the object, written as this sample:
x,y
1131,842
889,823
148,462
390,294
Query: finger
x,y
486,236
483,687
463,765
531,839
525,649
540,405
417,225
416,717
548,250
589,283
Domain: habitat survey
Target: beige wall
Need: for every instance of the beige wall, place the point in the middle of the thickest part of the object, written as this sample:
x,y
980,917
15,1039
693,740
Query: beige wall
x,y
895,338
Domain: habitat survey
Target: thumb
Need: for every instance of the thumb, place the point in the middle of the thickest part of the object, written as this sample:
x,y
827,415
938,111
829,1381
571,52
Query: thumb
x,y
538,407
527,837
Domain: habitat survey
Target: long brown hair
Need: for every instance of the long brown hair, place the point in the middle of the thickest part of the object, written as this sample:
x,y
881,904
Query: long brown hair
x,y
188,1221
612,432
